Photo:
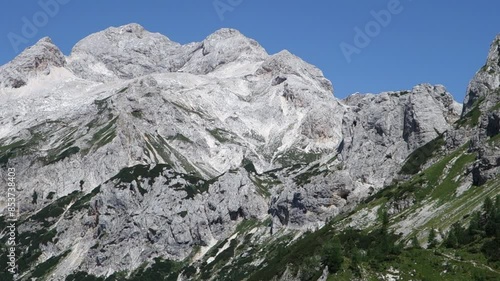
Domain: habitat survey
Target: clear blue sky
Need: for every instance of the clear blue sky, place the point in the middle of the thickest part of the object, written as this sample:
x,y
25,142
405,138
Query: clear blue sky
x,y
440,42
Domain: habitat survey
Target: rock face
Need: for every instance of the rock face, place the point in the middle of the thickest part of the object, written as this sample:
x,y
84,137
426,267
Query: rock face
x,y
135,147
225,46
35,60
165,214
124,52
380,131
485,82
482,113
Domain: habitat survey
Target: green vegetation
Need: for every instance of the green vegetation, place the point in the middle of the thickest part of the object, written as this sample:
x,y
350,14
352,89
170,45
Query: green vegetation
x,y
483,232
103,132
180,137
47,266
471,119
184,108
138,173
10,150
122,90
305,177
130,174
4,274
232,259
295,156
48,215
332,256
431,239
51,195
221,259
29,243
420,156
65,154
105,135
334,249
449,185
246,225
62,147
20,147
248,166
137,113
430,182
422,264
145,173
196,186
83,276
34,197
102,105
160,270
167,152
362,254
83,202
264,182
222,135
497,105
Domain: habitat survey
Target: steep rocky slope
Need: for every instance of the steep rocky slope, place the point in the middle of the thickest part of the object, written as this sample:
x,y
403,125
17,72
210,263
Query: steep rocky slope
x,y
138,156
481,112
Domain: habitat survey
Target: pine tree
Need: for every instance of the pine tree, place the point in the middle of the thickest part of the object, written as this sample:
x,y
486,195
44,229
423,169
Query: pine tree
x,y
332,255
385,218
356,262
497,218
384,242
452,240
489,217
475,224
414,242
488,208
431,240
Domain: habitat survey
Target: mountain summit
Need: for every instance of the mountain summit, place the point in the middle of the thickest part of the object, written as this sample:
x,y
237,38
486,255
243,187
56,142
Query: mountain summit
x,y
37,59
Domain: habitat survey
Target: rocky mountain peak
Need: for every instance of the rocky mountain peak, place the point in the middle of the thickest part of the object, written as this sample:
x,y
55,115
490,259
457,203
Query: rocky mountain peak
x,y
121,53
481,113
284,66
133,28
45,39
224,33
222,48
44,50
116,36
493,60
226,38
37,59
485,82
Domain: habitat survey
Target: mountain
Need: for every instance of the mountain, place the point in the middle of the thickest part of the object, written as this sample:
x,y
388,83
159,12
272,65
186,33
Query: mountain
x,y
139,158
